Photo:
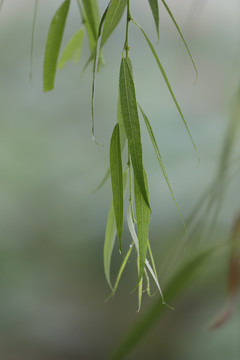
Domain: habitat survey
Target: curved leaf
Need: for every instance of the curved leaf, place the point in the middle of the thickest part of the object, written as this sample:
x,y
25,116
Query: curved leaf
x,y
131,124
72,50
54,39
155,11
91,13
115,12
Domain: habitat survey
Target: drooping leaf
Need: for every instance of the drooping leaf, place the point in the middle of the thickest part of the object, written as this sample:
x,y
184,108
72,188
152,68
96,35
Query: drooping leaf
x,y
72,50
54,39
155,146
155,11
176,285
131,124
142,216
91,13
181,35
117,181
115,12
110,235
124,263
140,288
167,83
33,36
121,125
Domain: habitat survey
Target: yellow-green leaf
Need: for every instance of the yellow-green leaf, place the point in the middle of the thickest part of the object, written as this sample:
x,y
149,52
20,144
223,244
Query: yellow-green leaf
x,y
72,50
54,39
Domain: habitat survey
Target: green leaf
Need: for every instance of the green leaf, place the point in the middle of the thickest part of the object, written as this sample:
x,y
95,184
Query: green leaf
x,y
91,14
33,36
155,11
117,181
154,143
54,39
182,278
73,49
181,35
131,124
110,235
115,12
142,216
121,125
168,84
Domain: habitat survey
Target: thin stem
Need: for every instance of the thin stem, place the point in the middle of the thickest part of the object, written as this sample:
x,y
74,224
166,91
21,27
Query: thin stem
x,y
129,18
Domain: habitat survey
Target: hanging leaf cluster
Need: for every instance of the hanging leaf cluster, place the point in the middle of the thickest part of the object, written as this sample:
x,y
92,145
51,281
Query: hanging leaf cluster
x,y
125,174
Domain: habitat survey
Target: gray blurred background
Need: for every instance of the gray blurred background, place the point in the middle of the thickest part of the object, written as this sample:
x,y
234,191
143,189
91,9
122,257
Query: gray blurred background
x,y
52,285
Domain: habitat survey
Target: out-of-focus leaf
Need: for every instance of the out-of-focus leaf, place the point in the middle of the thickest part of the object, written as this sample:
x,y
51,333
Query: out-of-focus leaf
x,y
142,216
33,36
117,181
155,11
131,124
181,35
72,50
155,146
167,83
54,39
115,12
176,285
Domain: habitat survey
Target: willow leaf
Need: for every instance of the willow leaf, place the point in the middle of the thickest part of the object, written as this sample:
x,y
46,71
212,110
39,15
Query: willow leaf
x,y
121,125
176,285
72,50
124,263
167,83
105,178
155,11
117,181
181,35
54,39
110,235
155,146
115,12
131,124
140,290
142,216
91,13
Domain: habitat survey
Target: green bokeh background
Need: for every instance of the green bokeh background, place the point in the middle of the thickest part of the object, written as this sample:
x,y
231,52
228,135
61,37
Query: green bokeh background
x,y
52,285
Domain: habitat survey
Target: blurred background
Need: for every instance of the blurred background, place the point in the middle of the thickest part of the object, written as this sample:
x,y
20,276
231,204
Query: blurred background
x,y
52,284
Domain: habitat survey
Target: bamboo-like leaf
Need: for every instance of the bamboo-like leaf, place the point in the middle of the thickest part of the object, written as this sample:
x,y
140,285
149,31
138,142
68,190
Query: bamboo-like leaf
x,y
121,125
142,216
54,39
181,35
115,12
72,50
179,281
140,289
91,13
131,124
110,235
168,84
124,263
33,36
154,143
155,11
117,181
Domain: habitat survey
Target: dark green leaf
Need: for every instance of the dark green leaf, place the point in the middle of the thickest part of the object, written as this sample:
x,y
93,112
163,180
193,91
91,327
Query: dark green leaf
x,y
117,181
131,124
142,216
73,49
115,12
155,11
167,83
54,39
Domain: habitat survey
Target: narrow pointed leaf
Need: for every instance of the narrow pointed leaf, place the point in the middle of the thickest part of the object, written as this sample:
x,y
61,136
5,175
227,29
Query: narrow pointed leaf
x,y
54,39
155,146
181,35
142,217
121,125
168,84
116,9
131,124
117,181
72,50
91,13
155,11
179,281
110,235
